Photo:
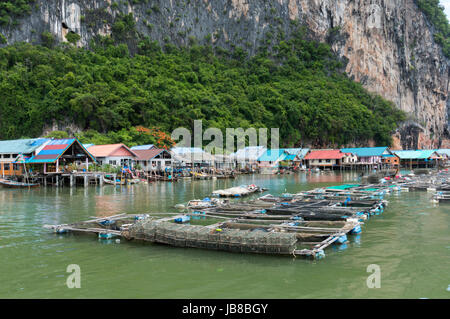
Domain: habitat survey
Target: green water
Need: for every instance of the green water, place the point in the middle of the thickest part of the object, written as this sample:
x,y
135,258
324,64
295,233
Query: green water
x,y
410,242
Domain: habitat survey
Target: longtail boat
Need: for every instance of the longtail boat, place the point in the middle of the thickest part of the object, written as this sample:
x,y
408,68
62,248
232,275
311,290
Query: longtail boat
x,y
12,184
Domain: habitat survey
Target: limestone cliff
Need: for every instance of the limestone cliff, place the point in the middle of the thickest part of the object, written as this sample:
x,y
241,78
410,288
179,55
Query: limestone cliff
x,y
388,45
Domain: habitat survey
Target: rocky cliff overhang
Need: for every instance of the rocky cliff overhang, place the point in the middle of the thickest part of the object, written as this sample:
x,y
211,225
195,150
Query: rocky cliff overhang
x,y
388,46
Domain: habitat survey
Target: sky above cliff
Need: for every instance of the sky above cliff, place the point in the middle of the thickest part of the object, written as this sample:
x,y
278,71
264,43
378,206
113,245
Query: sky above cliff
x,y
446,4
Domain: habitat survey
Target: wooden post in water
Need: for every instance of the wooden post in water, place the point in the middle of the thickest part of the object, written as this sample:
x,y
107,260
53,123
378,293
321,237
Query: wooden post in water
x,y
86,181
71,180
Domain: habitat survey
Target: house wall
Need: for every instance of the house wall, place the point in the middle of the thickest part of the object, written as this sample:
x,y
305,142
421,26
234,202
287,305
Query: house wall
x,y
391,160
418,163
350,159
8,158
155,164
268,163
10,169
114,160
224,165
323,162
370,159
246,163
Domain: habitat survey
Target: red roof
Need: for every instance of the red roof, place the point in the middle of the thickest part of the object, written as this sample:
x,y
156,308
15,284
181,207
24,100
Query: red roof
x,y
325,154
146,155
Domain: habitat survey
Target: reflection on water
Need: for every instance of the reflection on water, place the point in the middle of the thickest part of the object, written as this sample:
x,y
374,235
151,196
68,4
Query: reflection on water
x,y
410,242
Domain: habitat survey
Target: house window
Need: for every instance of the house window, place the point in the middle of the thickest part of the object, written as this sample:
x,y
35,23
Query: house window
x,y
112,162
167,163
328,161
6,167
16,167
320,161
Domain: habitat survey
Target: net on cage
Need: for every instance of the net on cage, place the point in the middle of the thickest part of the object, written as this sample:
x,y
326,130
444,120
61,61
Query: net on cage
x,y
136,230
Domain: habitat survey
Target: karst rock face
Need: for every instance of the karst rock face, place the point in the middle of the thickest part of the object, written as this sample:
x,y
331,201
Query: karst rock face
x,y
388,46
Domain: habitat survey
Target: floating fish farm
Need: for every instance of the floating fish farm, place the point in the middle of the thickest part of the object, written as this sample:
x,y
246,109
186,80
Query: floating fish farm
x,y
302,224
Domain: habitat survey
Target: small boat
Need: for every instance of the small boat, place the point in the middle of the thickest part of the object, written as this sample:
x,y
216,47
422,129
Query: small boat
x,y
121,181
204,203
12,184
112,182
238,191
442,196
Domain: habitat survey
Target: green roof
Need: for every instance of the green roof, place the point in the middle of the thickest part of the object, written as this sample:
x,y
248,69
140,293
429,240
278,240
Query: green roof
x,y
420,154
24,146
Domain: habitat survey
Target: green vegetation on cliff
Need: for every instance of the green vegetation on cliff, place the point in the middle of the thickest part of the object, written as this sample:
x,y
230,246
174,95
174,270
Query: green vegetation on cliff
x,y
297,88
12,9
436,14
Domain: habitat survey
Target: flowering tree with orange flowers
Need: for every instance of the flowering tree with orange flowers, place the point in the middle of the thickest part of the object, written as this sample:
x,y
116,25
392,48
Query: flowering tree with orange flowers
x,y
161,138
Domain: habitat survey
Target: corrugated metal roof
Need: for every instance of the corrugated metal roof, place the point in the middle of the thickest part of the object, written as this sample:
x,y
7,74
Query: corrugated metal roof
x,y
366,151
143,147
52,151
271,155
324,154
288,157
419,154
146,155
23,146
249,153
108,149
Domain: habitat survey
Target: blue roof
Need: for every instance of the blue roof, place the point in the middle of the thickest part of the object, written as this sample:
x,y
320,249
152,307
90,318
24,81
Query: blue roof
x,y
23,146
143,147
366,151
289,157
271,155
284,154
250,153
419,154
54,149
